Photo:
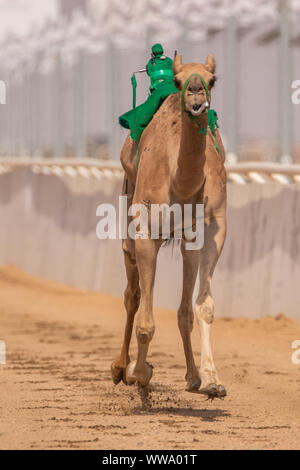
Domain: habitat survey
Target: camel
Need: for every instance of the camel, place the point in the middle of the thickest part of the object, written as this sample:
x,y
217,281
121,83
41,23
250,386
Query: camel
x,y
177,164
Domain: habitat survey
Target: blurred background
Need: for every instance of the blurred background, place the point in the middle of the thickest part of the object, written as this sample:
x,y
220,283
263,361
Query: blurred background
x,y
67,66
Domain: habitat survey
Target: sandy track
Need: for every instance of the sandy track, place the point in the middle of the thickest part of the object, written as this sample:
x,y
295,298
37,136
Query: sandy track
x,y
56,391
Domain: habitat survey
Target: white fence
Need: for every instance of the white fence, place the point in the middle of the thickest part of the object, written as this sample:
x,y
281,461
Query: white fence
x,y
48,227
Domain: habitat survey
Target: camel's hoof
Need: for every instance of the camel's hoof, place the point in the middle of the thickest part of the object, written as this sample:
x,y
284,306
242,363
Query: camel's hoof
x,y
193,382
193,386
142,379
117,373
221,391
129,374
213,391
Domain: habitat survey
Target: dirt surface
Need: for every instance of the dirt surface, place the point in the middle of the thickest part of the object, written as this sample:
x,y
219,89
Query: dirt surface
x,y
56,391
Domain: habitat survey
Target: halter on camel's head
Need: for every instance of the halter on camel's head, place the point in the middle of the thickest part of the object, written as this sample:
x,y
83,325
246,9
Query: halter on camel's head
x,y
194,82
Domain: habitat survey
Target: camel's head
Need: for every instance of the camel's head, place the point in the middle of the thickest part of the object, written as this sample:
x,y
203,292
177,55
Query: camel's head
x,y
195,82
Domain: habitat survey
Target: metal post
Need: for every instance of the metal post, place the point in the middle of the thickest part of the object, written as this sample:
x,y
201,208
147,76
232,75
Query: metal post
x,y
29,113
113,79
13,113
231,88
79,117
59,123
17,114
149,39
22,121
184,43
10,116
6,116
2,104
36,107
285,67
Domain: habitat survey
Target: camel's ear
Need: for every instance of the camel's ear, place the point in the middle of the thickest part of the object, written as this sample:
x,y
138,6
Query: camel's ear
x,y
210,64
177,64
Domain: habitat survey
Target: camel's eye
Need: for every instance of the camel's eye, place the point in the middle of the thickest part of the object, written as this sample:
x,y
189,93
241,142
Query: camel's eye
x,y
212,81
177,82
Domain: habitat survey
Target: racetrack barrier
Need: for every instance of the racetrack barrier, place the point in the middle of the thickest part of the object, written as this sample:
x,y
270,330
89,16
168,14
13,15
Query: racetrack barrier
x,y
48,228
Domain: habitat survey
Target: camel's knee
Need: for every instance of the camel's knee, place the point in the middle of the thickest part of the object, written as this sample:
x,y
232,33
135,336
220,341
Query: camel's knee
x,y
144,332
185,319
205,309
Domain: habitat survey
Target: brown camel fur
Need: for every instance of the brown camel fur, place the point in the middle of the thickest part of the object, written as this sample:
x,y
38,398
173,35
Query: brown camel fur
x,y
177,164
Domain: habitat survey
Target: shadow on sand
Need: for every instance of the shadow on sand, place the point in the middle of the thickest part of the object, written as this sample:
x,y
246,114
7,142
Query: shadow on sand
x,y
150,406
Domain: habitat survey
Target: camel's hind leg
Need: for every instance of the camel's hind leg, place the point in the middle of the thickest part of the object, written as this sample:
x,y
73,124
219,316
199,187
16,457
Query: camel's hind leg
x,y
131,301
146,254
214,236
186,313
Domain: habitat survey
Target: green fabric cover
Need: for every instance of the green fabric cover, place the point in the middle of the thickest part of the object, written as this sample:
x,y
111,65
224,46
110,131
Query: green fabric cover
x,y
159,69
137,119
212,120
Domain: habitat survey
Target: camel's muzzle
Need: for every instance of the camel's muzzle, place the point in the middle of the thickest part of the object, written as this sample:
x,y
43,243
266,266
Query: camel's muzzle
x,y
198,109
192,110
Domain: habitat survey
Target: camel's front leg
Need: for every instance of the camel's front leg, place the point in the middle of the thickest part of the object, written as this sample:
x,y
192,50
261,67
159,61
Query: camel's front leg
x,y
131,300
214,236
131,297
186,314
146,256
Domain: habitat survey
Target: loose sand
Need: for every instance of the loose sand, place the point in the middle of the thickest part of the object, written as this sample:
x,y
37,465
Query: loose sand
x,y
56,391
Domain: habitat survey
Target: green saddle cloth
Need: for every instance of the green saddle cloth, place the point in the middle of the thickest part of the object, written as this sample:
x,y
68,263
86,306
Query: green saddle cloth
x,y
137,119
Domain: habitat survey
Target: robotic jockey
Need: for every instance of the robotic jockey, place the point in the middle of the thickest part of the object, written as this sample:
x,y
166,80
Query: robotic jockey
x,y
159,69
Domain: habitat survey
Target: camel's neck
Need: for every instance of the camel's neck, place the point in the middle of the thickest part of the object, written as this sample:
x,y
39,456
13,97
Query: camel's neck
x,y
189,174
